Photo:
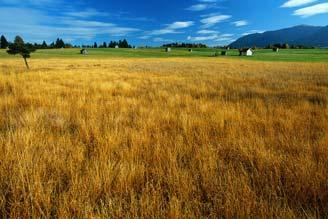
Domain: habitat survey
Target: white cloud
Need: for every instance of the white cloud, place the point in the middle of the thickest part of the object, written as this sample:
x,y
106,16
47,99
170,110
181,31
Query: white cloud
x,y
227,35
296,3
164,31
145,37
200,7
87,13
240,23
312,10
203,5
173,28
161,40
30,2
36,25
252,32
207,32
203,38
180,25
224,39
85,23
211,21
211,37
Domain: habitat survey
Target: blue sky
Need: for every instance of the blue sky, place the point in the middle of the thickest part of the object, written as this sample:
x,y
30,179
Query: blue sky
x,y
154,22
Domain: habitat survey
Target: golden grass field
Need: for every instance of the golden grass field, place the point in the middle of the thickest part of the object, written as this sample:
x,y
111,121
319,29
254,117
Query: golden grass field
x,y
163,138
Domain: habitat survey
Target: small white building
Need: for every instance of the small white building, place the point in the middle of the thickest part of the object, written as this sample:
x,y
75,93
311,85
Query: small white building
x,y
168,49
246,52
117,47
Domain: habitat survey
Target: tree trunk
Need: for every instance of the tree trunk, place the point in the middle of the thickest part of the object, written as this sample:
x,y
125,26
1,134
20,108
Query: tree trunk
x,y
28,67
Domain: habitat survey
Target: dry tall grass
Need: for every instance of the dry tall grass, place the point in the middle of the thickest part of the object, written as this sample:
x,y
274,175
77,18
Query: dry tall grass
x,y
163,138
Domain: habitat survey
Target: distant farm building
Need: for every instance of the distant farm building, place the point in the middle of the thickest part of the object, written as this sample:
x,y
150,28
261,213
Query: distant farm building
x,y
246,52
275,49
168,49
190,50
84,52
117,47
224,53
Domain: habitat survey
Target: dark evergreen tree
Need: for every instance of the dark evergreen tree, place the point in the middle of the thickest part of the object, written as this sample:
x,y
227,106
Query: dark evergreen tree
x,y
59,43
125,44
104,45
121,43
19,47
95,45
3,42
44,45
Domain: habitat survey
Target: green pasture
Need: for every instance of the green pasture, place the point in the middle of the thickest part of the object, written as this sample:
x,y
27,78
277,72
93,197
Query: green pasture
x,y
288,55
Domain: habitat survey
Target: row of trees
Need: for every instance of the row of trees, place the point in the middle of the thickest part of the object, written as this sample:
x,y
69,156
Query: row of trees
x,y
185,45
278,45
287,46
121,44
59,43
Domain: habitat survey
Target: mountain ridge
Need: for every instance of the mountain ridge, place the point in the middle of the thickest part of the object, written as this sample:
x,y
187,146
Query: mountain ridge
x,y
307,35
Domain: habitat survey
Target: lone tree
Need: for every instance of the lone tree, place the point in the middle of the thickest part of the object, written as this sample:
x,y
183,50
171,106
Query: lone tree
x,y
3,42
19,47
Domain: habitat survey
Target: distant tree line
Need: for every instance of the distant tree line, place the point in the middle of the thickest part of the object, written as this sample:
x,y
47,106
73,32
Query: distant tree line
x,y
287,46
59,43
281,46
185,45
112,44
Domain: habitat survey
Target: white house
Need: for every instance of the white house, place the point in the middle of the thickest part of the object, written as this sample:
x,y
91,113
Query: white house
x,y
246,52
117,47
